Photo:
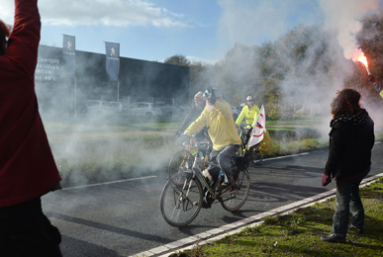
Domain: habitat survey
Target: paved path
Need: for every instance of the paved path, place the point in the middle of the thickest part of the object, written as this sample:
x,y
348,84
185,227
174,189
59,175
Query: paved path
x,y
123,218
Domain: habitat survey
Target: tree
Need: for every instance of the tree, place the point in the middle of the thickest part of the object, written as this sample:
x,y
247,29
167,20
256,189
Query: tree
x,y
178,60
370,41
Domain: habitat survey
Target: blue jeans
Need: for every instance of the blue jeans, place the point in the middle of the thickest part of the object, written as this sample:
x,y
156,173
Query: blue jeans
x,y
348,203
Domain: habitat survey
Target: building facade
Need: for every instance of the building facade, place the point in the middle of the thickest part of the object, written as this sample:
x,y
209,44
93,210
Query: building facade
x,y
139,80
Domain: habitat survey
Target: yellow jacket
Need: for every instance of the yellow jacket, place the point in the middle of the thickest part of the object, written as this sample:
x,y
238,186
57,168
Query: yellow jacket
x,y
250,115
265,145
220,121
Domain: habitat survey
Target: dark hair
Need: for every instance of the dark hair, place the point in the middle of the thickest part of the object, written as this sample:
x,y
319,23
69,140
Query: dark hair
x,y
346,102
4,33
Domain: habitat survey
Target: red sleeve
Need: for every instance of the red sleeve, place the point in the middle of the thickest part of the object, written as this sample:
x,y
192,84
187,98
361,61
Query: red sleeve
x,y
24,41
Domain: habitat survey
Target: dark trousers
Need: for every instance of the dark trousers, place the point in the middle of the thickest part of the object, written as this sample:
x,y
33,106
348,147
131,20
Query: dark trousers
x,y
224,158
26,231
348,203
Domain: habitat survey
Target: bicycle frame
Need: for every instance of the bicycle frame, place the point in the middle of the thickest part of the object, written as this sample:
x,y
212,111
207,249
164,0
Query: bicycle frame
x,y
194,147
245,149
197,172
241,133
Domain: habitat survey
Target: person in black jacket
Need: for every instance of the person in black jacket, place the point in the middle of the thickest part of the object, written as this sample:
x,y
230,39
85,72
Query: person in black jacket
x,y
194,113
351,141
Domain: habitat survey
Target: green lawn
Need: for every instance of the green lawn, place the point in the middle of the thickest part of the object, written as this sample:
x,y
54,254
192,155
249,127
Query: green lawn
x,y
298,234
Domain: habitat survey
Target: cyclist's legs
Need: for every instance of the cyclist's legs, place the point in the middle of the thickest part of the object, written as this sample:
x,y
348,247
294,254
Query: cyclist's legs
x,y
214,171
247,135
224,159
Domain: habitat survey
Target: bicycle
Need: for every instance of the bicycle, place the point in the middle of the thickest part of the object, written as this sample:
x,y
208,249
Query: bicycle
x,y
254,155
183,195
184,158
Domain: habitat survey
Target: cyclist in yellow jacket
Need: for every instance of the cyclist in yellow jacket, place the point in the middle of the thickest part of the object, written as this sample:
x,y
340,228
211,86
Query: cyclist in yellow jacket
x,y
249,112
218,117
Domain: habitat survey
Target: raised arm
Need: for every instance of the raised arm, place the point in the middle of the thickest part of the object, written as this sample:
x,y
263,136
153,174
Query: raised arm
x,y
24,41
223,109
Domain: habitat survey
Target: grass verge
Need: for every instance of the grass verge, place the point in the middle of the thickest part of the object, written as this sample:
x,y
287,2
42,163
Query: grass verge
x,y
298,234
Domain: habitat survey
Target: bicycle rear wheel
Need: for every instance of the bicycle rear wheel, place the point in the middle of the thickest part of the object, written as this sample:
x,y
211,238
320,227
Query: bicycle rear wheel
x,y
181,159
257,158
181,199
235,199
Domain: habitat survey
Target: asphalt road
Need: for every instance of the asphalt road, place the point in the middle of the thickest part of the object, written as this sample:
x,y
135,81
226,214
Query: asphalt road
x,y
124,218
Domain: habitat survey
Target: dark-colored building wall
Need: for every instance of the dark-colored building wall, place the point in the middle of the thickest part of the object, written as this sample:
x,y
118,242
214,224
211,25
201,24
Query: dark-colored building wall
x,y
137,78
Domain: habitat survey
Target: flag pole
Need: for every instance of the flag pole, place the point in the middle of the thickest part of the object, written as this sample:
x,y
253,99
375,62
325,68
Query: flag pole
x,y
118,91
75,96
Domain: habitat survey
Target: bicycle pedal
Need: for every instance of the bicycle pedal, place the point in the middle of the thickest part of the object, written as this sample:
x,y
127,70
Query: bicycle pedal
x,y
225,186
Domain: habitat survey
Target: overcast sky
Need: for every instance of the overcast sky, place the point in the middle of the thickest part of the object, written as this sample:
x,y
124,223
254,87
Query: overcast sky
x,y
198,29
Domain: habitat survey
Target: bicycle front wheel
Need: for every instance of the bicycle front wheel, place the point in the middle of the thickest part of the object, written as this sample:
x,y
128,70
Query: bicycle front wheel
x,y
235,199
181,199
181,159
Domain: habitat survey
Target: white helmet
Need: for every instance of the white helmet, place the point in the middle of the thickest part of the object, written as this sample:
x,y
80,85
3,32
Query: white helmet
x,y
249,98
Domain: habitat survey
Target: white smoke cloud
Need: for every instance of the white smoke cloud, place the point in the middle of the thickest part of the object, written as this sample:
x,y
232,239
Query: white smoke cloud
x,y
253,22
120,13
344,16
194,59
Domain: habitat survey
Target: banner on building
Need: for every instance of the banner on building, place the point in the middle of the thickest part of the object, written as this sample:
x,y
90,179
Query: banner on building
x,y
69,53
112,60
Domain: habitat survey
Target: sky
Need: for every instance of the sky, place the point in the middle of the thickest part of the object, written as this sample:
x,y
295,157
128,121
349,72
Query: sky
x,y
201,30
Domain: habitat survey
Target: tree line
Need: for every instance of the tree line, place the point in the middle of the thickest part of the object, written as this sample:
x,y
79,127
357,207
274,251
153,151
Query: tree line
x,y
297,74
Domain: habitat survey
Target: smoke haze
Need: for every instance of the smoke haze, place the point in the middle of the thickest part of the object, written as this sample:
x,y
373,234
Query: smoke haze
x,y
255,22
311,83
344,18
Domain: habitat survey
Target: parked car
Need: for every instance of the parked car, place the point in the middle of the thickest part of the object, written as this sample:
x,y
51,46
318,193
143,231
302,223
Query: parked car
x,y
235,112
144,109
170,110
103,107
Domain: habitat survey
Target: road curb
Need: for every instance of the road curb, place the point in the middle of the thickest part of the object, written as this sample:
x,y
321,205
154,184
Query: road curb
x,y
236,227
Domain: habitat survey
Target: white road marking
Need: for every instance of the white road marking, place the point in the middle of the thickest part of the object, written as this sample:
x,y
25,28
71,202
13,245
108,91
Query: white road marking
x,y
108,183
286,156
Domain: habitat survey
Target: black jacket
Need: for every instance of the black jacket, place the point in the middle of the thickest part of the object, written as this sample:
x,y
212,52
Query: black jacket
x,y
351,141
192,115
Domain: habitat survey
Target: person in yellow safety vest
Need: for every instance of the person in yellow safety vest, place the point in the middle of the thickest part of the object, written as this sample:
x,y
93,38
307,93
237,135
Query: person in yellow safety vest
x,y
249,112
